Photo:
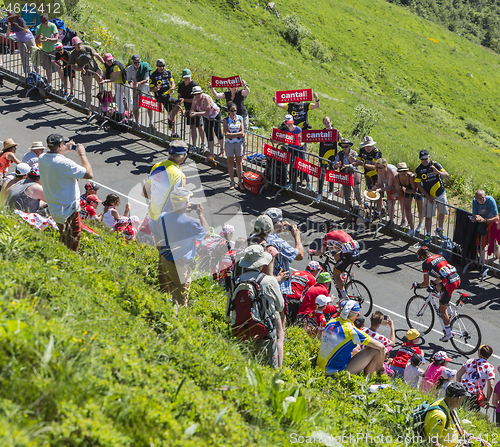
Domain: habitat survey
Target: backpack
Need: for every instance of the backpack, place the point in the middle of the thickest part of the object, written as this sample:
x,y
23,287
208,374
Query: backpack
x,y
247,302
418,416
446,250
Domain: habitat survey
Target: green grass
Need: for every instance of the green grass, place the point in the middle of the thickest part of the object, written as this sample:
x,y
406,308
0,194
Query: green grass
x,y
91,354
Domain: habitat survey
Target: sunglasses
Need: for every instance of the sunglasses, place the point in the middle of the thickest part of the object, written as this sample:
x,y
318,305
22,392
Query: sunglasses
x,y
379,168
233,110
344,147
160,66
136,62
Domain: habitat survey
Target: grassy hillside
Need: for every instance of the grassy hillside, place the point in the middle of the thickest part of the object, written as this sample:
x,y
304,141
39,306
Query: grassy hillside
x,y
92,355
428,86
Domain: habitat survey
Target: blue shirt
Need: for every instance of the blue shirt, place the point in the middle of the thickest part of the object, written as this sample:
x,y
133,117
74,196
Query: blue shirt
x,y
487,210
178,235
286,254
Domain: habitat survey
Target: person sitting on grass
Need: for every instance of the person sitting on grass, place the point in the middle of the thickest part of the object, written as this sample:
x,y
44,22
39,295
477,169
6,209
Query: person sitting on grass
x,y
89,210
110,215
406,352
315,322
413,372
340,337
322,287
434,370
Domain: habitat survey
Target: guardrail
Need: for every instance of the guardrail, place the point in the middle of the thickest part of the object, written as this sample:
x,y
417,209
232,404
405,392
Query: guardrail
x,y
304,174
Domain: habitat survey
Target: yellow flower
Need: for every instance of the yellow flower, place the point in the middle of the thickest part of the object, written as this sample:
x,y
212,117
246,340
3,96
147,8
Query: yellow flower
x,y
432,40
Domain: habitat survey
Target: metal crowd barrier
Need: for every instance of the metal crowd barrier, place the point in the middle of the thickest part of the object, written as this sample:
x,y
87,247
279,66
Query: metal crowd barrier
x,y
154,123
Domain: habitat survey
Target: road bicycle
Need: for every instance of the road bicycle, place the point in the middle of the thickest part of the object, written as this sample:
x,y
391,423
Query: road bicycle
x,y
420,314
355,289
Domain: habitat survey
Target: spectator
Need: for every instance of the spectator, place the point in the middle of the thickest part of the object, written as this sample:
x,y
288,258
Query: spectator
x,y
345,162
178,245
65,71
90,188
367,157
301,281
475,374
413,372
406,352
485,213
82,59
185,93
386,175
124,225
22,171
27,195
447,376
299,110
162,84
322,287
263,226
328,152
237,97
138,78
46,34
286,254
340,337
204,106
378,319
405,186
90,207
116,73
428,177
31,157
434,370
315,322
24,37
442,426
110,215
235,136
255,261
59,180
7,156
495,401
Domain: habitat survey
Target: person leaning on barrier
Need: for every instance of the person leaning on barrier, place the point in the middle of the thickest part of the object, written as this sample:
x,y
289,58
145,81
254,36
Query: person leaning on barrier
x,y
177,246
405,185
46,34
345,162
66,73
328,152
367,156
115,73
24,37
138,79
386,174
185,94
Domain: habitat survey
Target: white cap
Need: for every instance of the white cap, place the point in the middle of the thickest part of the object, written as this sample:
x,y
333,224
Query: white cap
x,y
322,300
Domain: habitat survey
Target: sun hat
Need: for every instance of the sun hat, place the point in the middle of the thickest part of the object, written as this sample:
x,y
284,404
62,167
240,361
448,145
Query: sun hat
x,y
34,170
323,278
345,141
108,57
8,143
350,306
196,89
322,300
288,119
93,198
186,73
263,224
58,45
23,169
368,141
424,153
402,167
37,145
456,389
76,40
313,266
12,14
275,214
441,355
448,373
255,257
180,195
412,334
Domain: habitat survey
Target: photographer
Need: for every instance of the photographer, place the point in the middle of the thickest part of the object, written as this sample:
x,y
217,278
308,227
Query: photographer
x,y
59,181
345,161
177,245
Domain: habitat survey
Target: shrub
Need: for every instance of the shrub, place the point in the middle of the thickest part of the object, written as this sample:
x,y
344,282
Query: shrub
x,y
366,120
319,51
294,32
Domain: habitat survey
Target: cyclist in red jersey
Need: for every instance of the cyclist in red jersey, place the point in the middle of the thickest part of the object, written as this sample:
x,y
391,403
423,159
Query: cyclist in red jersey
x,y
346,251
301,280
446,281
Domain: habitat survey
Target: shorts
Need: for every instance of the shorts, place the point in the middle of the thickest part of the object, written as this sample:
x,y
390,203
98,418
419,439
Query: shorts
x,y
392,195
46,59
345,260
411,196
442,208
68,72
165,100
450,283
193,120
234,149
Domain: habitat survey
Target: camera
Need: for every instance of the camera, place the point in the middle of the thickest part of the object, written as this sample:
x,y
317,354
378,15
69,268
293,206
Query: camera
x,y
289,228
191,207
73,147
385,317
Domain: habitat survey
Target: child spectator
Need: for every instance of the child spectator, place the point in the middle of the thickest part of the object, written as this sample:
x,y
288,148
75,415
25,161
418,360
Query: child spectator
x,y
434,371
406,352
447,376
387,362
315,322
110,216
65,71
124,225
90,207
90,188
412,372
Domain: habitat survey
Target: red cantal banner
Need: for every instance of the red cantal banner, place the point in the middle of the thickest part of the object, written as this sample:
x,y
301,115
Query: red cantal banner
x,y
307,167
277,154
318,136
305,94
233,81
339,177
285,137
149,103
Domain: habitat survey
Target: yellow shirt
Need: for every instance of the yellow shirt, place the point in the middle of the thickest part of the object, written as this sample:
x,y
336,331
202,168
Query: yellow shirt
x,y
435,426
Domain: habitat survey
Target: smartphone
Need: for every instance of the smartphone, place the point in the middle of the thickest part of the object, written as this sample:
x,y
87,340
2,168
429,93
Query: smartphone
x,y
74,147
385,317
289,228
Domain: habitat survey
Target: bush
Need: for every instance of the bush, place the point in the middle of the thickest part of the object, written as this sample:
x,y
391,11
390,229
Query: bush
x,y
294,32
366,120
319,51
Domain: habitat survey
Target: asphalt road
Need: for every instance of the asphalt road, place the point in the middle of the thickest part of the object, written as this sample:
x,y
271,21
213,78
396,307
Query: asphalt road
x,y
121,161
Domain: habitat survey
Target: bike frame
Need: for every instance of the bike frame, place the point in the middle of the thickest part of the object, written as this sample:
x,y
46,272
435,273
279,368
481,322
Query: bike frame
x,y
431,300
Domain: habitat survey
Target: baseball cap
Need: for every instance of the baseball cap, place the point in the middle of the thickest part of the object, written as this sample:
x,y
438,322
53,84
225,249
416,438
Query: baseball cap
x,y
186,73
323,278
108,57
58,45
34,170
93,198
448,373
160,62
424,153
76,40
313,266
91,186
412,334
350,306
288,119
322,300
456,389
22,169
55,139
263,224
136,57
180,195
275,214
179,148
360,322
441,355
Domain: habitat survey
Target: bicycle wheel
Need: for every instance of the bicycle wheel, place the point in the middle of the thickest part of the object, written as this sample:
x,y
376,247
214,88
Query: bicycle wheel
x,y
466,334
357,291
419,315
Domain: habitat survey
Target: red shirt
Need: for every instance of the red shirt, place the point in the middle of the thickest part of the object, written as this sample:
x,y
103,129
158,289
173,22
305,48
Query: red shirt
x,y
405,353
90,212
309,302
301,280
340,241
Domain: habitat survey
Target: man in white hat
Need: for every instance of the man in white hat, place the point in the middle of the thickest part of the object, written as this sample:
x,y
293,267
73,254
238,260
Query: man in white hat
x,y
367,157
254,262
36,150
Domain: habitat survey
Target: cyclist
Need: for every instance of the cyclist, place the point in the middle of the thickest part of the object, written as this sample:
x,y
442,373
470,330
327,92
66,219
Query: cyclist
x,y
301,280
346,252
446,281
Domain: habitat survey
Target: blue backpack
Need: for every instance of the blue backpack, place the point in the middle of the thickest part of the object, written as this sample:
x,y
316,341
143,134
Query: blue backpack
x,y
446,250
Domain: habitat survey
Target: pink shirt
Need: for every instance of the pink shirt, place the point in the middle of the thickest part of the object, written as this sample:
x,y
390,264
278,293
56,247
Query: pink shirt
x,y
431,377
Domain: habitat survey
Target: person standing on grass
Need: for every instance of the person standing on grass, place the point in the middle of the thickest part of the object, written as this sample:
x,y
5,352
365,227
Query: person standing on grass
x,y
235,136
59,177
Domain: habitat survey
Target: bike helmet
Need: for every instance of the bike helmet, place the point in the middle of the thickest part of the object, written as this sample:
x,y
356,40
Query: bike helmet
x,y
422,251
328,225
